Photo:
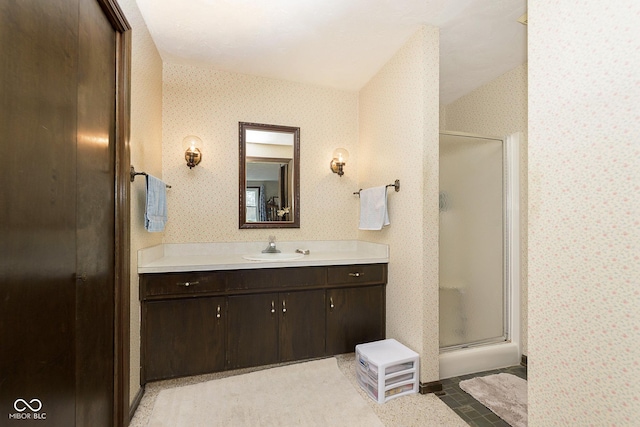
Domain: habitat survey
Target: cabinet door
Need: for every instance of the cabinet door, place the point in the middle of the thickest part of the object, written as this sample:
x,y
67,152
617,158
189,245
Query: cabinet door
x,y
302,323
253,330
183,337
354,316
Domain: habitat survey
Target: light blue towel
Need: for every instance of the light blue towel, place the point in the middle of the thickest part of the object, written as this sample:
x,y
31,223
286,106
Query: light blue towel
x,y
155,216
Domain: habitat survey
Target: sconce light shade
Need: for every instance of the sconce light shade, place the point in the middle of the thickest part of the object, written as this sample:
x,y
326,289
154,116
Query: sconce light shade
x,y
340,157
192,145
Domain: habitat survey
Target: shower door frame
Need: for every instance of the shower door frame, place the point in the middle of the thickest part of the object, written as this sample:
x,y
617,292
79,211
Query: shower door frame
x,y
511,240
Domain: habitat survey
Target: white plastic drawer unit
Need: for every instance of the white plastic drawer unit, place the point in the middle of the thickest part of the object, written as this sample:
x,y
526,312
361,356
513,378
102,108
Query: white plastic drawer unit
x,y
387,369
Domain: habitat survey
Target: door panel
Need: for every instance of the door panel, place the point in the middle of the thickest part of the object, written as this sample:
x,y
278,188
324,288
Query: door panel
x,y
472,282
95,217
184,337
252,336
37,207
361,308
57,208
302,319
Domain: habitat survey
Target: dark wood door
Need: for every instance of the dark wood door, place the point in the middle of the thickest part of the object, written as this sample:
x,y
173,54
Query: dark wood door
x,y
95,208
252,337
354,316
37,208
302,320
183,337
58,257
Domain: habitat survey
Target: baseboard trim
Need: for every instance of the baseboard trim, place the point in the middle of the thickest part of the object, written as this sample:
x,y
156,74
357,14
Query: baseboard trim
x,y
430,387
136,401
523,360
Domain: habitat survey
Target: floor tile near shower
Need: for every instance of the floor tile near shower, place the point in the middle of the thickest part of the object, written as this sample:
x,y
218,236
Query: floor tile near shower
x,y
469,409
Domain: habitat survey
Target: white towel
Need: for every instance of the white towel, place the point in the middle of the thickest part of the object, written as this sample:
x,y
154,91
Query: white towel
x,y
155,216
373,208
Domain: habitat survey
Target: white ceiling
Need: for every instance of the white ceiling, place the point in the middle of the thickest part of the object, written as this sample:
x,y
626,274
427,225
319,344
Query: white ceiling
x,y
339,43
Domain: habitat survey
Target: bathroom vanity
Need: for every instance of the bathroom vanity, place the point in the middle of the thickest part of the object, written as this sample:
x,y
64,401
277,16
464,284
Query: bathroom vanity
x,y
205,308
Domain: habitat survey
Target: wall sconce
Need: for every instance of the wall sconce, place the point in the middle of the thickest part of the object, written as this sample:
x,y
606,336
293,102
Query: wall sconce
x,y
340,157
192,154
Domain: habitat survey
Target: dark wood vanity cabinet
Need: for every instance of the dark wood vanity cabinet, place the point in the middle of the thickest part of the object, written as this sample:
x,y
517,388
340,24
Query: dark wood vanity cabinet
x,y
302,317
355,306
252,337
194,323
184,337
354,315
275,327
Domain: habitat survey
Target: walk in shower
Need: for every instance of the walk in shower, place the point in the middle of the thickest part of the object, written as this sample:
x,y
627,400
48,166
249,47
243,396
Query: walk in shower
x,y
479,321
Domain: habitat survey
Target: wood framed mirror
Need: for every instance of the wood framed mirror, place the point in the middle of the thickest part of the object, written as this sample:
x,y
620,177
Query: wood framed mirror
x,y
269,184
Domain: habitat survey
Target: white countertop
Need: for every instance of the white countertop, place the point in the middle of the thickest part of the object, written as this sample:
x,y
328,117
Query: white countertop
x,y
177,257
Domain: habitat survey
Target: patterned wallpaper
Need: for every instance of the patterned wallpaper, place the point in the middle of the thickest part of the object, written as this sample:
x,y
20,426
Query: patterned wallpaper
x,y
499,108
495,109
584,177
399,140
584,213
146,155
203,201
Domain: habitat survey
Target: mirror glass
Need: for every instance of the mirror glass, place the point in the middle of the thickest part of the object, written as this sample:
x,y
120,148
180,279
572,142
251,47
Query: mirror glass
x,y
269,176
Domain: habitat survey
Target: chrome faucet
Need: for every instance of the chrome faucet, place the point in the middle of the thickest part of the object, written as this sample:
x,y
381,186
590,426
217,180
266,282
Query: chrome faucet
x,y
271,249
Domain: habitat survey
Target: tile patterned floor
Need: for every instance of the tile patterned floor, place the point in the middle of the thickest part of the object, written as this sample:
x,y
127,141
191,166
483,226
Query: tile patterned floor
x,y
469,409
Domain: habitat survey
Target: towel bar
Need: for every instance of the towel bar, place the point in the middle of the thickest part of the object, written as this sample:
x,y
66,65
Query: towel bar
x,y
134,173
396,185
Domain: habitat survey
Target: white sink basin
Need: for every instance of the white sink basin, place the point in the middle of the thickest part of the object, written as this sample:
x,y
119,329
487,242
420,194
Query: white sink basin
x,y
282,256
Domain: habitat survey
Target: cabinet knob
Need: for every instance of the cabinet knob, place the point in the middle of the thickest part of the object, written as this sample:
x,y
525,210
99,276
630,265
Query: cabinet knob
x,y
218,312
273,307
331,305
356,274
284,306
187,284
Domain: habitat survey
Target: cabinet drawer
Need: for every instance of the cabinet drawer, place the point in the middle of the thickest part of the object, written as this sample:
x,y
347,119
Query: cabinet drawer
x,y
277,278
353,274
172,284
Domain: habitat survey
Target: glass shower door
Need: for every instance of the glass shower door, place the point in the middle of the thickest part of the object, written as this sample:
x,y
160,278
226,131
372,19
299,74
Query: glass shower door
x,y
472,244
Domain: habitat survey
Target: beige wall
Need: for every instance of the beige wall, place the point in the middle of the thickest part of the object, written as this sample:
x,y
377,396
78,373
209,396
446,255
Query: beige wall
x,y
203,201
499,108
584,213
399,140
495,109
146,155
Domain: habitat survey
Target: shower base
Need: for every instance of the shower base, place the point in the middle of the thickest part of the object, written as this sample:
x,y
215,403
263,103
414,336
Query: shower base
x,y
477,359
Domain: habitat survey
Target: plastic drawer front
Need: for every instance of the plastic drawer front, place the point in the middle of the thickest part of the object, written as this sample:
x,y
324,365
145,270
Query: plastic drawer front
x,y
387,369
